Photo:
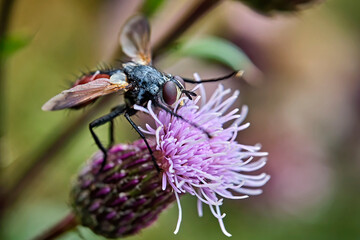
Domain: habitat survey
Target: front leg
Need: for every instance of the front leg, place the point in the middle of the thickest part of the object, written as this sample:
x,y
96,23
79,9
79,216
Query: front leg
x,y
127,116
111,131
100,121
168,110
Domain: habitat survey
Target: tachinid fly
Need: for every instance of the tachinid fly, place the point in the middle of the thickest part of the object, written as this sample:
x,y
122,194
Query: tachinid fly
x,y
138,80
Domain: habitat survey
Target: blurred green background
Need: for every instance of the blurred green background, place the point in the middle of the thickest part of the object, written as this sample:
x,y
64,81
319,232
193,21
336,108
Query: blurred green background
x,y
302,88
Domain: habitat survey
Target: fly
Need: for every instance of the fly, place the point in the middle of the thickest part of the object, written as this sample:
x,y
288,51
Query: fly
x,y
138,80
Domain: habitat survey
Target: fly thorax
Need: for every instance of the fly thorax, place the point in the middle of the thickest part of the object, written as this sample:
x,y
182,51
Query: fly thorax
x,y
147,80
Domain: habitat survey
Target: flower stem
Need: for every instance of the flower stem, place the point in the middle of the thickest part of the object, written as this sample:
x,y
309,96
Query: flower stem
x,y
5,14
66,224
184,24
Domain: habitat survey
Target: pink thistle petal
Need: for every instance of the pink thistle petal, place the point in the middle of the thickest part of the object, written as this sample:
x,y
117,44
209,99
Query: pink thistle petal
x,y
210,169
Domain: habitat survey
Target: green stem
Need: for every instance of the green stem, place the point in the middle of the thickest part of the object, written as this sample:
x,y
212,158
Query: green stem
x,y
66,224
5,13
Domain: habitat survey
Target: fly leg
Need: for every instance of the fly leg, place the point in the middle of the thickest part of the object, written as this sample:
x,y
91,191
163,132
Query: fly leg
x,y
111,132
166,109
238,74
127,116
100,121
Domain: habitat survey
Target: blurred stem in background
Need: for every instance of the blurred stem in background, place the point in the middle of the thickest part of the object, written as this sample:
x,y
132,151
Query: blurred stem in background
x,y
41,160
203,7
5,13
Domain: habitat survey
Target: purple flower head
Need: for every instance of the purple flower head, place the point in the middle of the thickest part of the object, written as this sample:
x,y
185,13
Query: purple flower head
x,y
125,197
209,168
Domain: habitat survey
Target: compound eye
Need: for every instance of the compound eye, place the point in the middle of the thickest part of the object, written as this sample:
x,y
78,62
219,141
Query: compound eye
x,y
170,92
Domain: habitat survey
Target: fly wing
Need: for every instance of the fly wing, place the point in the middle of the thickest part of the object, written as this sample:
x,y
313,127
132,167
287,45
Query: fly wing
x,y
135,40
83,93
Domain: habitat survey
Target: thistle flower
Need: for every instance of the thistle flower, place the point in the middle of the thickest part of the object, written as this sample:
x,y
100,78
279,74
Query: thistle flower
x,y
209,168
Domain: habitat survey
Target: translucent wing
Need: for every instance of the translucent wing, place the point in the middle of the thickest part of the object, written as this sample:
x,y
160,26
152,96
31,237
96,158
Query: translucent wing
x,y
84,93
135,40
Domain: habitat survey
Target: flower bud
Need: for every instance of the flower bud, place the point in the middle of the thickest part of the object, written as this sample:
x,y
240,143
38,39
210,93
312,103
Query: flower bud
x,y
123,198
